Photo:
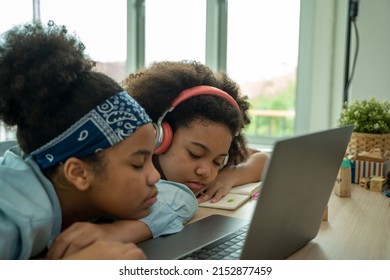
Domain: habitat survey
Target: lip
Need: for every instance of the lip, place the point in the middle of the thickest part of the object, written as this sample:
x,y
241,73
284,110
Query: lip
x,y
152,199
195,185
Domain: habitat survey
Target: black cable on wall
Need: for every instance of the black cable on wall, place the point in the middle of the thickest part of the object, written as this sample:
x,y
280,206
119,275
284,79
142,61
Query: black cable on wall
x,y
353,8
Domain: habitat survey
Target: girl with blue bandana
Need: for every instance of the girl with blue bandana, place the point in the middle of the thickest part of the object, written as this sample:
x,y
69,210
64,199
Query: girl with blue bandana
x,y
84,151
199,116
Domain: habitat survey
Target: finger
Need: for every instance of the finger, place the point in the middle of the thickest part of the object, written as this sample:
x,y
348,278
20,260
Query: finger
x,y
62,244
135,253
204,197
57,250
218,195
71,240
200,192
208,193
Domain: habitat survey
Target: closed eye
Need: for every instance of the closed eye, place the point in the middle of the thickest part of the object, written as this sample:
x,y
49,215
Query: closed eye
x,y
195,156
137,166
219,163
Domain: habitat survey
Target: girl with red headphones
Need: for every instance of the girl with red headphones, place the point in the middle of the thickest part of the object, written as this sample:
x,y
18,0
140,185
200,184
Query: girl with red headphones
x,y
198,117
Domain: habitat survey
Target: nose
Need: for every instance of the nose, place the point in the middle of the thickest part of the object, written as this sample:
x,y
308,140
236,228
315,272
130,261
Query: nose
x,y
203,170
153,176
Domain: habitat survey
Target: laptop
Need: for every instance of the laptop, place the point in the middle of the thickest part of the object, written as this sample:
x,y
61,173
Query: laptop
x,y
297,185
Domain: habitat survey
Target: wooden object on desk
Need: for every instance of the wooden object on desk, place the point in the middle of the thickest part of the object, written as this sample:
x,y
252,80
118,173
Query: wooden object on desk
x,y
376,184
343,183
325,218
364,182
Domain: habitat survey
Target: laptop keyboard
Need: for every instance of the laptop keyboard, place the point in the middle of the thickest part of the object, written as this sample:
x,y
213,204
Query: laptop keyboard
x,y
227,248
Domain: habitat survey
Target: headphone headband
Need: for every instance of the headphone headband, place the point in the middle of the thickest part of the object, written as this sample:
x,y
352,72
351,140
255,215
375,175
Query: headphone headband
x,y
203,90
195,91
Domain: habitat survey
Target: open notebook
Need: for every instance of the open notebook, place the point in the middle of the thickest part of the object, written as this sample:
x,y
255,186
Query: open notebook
x,y
236,197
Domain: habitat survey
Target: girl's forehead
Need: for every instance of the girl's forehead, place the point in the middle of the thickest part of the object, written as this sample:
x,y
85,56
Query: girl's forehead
x,y
202,127
211,136
204,124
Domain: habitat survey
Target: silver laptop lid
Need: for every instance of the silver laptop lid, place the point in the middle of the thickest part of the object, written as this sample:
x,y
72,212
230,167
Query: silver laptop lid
x,y
296,189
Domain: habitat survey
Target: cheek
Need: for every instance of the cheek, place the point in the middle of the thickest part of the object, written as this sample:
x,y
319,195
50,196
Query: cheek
x,y
174,165
129,186
213,175
130,199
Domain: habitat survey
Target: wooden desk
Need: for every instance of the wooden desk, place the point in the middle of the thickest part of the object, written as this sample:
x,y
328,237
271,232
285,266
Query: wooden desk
x,y
358,227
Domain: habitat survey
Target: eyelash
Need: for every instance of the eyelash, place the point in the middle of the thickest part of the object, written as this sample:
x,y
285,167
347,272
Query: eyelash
x,y
137,167
198,157
194,156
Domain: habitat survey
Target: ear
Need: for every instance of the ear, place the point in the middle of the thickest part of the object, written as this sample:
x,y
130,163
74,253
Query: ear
x,y
78,173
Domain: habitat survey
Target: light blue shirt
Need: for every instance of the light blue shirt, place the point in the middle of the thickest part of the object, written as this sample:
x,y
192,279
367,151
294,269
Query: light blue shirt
x,y
30,214
176,204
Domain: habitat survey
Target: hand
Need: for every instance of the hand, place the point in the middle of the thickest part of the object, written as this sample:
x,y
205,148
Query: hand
x,y
218,189
105,250
213,193
75,238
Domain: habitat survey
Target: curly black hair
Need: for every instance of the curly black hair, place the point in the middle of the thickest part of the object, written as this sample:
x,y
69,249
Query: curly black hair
x,y
156,86
46,82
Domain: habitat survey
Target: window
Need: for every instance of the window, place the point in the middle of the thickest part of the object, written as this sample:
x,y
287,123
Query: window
x,y
262,55
11,14
101,26
175,30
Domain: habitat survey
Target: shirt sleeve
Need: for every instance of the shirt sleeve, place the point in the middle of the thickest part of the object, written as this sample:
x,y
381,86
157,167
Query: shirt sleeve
x,y
10,239
176,205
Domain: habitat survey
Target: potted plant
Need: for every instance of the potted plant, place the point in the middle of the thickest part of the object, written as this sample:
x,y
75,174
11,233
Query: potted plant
x,y
371,121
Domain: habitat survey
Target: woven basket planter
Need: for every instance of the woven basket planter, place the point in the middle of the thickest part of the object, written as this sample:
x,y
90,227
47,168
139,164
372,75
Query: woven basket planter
x,y
361,142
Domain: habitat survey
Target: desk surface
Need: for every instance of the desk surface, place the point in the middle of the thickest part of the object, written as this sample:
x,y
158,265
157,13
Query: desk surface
x,y
358,227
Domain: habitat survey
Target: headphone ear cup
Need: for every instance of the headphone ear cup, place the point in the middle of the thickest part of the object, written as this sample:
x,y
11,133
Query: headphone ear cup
x,y
166,138
225,161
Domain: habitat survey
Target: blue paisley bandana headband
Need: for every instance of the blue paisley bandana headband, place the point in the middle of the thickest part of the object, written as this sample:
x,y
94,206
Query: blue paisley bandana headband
x,y
106,125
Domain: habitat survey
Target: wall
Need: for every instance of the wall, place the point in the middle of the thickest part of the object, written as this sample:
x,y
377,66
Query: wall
x,y
321,59
372,75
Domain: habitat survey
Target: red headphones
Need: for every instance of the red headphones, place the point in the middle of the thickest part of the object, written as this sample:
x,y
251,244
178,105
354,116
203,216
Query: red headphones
x,y
164,133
